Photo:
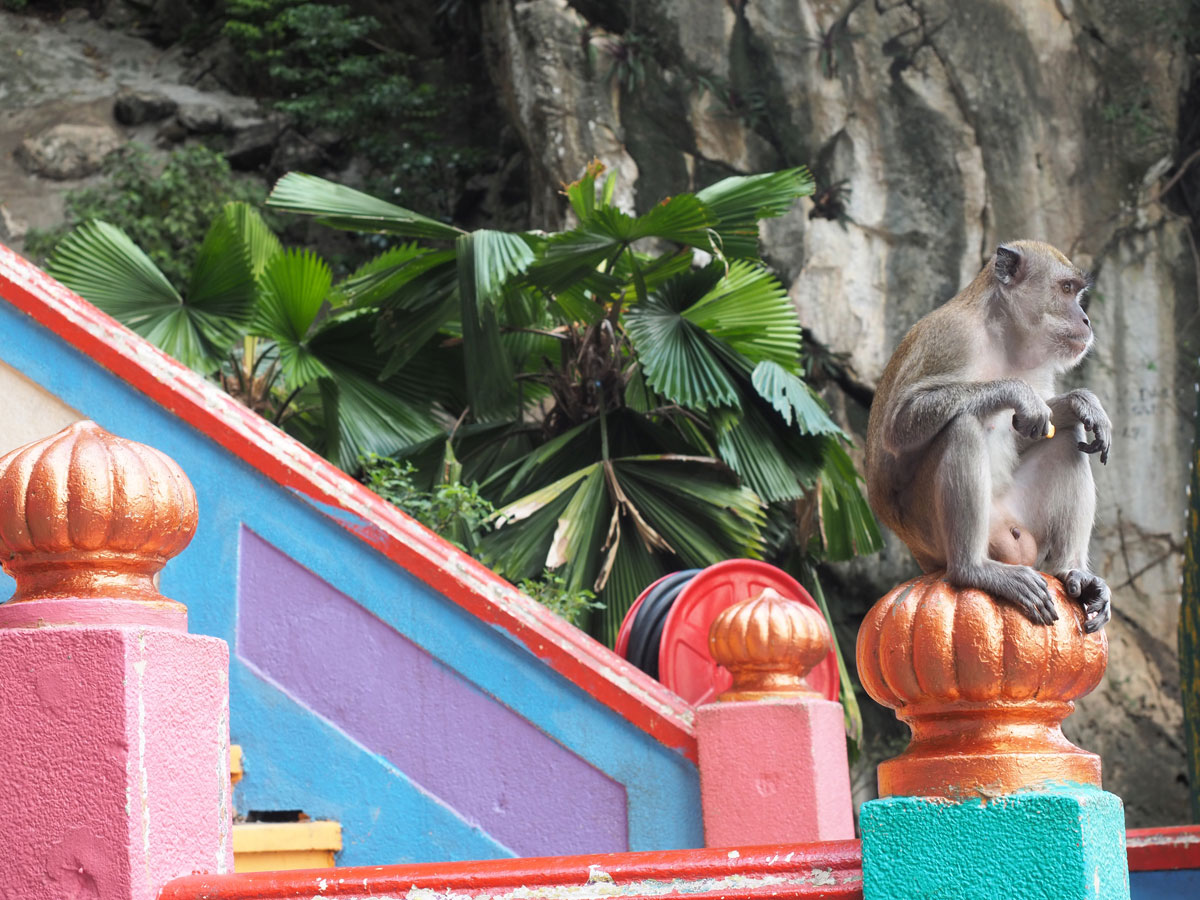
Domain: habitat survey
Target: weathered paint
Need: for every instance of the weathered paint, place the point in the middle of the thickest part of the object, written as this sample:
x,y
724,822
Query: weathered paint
x,y
248,474
780,872
773,771
471,752
1164,863
1062,843
116,747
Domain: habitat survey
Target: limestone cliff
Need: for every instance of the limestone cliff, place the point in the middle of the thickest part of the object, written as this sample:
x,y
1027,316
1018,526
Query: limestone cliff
x,y
935,129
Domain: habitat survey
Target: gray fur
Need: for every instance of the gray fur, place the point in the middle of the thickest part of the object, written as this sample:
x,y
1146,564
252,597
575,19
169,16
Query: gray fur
x,y
956,441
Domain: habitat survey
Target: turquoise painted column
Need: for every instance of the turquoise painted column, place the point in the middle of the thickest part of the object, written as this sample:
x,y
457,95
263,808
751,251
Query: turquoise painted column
x,y
989,801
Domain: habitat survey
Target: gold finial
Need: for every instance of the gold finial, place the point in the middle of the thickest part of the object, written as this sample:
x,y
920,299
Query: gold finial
x,y
769,643
983,689
86,515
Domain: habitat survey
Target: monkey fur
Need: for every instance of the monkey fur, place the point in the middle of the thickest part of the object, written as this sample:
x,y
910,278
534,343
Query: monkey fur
x,y
958,460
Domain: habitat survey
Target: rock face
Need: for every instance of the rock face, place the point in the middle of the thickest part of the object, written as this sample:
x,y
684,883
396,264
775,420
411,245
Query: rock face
x,y
66,152
936,129
139,107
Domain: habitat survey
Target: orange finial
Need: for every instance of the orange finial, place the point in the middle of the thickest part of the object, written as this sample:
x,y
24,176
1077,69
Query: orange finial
x,y
87,516
983,689
769,643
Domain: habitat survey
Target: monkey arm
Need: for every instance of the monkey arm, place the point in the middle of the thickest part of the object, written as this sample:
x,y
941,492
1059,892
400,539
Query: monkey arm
x,y
922,411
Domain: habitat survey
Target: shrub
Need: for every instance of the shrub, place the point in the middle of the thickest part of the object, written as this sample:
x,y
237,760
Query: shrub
x,y
166,211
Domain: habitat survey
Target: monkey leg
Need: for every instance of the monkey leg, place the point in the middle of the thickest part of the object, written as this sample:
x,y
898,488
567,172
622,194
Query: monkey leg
x,y
1054,495
961,485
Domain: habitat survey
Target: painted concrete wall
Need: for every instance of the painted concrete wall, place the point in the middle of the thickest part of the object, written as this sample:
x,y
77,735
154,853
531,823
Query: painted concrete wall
x,y
358,692
27,411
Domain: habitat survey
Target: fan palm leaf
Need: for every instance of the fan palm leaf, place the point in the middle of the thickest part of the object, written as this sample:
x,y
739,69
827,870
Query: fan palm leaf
x,y
739,202
341,207
105,267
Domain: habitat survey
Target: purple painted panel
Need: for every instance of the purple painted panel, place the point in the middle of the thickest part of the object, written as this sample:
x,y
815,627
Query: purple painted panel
x,y
476,755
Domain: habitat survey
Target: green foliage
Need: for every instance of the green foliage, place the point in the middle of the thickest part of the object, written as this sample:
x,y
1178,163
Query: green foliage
x,y
329,68
259,319
165,210
456,511
459,513
627,413
562,403
552,592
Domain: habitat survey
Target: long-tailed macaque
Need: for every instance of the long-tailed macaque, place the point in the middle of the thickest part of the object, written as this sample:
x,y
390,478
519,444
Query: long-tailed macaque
x,y
973,459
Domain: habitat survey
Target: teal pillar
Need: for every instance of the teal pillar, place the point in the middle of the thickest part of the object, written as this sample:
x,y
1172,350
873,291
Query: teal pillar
x,y
1061,843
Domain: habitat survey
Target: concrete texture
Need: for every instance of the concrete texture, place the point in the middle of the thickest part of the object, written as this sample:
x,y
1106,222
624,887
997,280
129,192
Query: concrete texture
x,y
28,412
1065,843
116,744
471,752
774,771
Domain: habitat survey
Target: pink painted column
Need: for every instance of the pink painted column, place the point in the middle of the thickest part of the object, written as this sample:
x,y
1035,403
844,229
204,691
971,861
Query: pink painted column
x,y
114,720
773,765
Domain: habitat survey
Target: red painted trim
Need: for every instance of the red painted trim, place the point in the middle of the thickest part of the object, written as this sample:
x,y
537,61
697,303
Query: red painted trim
x,y
584,661
783,872
1163,848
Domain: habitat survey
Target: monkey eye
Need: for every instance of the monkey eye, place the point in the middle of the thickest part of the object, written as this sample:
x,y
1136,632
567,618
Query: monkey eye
x,y
1068,287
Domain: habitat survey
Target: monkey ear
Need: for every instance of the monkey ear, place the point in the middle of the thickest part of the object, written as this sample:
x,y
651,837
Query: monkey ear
x,y
1008,264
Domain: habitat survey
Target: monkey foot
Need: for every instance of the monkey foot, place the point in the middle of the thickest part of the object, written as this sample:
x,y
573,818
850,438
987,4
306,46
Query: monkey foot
x,y
1091,591
1022,586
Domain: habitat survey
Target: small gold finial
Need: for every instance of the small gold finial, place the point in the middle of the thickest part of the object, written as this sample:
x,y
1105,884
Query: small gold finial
x,y
769,643
86,515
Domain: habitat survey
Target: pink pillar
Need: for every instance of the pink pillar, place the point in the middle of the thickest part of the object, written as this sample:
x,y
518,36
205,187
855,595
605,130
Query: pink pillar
x,y
114,719
773,765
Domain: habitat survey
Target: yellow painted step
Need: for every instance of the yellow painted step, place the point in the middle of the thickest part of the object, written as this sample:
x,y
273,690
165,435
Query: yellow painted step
x,y
235,763
270,846
274,846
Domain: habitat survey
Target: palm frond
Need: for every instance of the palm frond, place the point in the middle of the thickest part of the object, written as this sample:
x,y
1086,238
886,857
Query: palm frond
x,y
496,258
383,278
261,243
106,268
341,207
739,202
793,399
747,443
221,284
750,311
677,356
489,369
294,285
848,526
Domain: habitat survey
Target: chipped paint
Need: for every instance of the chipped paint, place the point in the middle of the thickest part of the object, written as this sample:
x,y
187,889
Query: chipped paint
x,y
1181,838
829,870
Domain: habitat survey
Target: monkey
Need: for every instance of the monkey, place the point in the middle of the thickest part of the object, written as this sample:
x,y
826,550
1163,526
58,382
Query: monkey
x,y
973,459
1009,543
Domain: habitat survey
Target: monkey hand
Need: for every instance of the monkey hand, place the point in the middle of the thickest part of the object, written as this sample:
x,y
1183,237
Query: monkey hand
x,y
1093,593
1031,414
1086,409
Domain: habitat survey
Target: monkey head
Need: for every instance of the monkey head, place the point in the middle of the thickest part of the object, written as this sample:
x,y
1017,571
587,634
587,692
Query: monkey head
x,y
1042,296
